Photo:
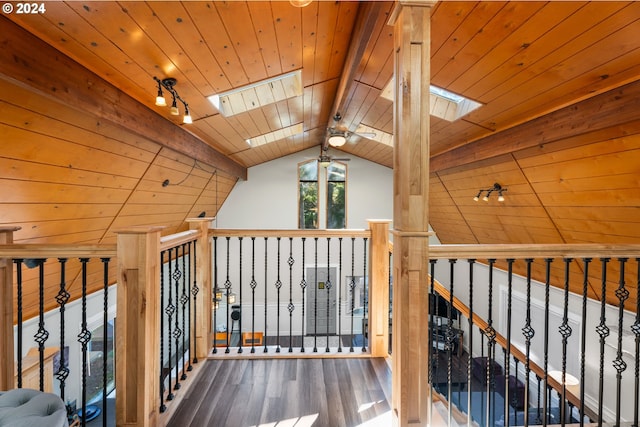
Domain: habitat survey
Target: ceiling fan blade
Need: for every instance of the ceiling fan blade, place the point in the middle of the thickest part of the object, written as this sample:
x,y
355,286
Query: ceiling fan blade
x,y
366,134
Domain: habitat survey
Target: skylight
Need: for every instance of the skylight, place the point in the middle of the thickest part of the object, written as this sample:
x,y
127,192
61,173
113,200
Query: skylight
x,y
275,135
258,94
443,103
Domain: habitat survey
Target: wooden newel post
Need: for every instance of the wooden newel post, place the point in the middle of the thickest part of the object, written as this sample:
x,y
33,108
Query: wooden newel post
x,y
379,288
6,313
204,298
138,327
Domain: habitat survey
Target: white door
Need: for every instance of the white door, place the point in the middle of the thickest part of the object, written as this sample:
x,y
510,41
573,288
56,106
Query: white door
x,y
321,301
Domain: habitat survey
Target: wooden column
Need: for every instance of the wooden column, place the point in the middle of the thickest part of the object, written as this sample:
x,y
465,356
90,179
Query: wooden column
x,y
203,332
379,288
412,40
6,313
138,327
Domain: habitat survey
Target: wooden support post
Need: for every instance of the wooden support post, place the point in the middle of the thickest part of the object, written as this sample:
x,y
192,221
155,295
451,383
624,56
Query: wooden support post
x,y
6,313
379,288
412,41
138,327
203,332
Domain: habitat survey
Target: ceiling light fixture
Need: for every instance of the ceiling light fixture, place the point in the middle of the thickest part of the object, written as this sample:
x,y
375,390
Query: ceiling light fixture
x,y
338,140
169,85
496,187
300,3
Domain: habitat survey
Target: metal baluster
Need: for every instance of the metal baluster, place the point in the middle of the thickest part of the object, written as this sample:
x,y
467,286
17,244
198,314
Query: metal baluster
x,y
603,331
449,339
163,407
636,330
315,293
539,416
265,292
278,285
184,299
352,286
339,294
169,310
547,286
528,333
227,286
619,364
42,335
365,309
303,286
507,357
216,290
328,288
18,263
291,307
514,399
62,298
583,348
565,332
105,322
490,332
194,299
239,296
469,404
83,338
253,285
177,274
432,353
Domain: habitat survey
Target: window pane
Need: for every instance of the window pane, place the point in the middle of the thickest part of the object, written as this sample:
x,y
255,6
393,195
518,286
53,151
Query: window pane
x,y
308,171
336,205
336,172
308,205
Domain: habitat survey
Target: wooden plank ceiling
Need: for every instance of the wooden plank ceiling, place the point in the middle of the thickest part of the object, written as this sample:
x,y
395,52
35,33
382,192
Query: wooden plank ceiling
x,y
559,124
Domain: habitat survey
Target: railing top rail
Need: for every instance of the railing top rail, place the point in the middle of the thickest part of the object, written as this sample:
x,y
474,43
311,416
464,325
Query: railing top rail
x,y
173,240
522,251
344,233
37,251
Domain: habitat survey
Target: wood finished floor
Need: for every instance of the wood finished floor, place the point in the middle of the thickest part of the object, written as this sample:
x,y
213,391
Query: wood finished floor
x,y
288,392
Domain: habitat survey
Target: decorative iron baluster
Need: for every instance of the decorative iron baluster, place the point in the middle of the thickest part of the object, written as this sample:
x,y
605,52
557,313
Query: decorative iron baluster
x,y
191,337
583,347
184,299
163,407
252,285
42,335
514,399
636,330
619,364
490,332
239,306
432,353
227,286
105,322
352,287
62,298
365,309
177,332
328,288
339,294
278,285
315,294
547,286
216,291
507,357
528,333
449,339
291,307
565,332
265,293
169,310
603,331
18,263
469,404
194,293
303,286
539,414
83,338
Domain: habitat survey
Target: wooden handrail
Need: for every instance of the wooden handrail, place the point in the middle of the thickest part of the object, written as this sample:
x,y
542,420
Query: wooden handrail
x,y
344,233
178,239
519,355
38,251
523,251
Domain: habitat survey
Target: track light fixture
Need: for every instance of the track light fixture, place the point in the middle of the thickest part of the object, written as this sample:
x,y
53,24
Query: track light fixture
x,y
169,85
496,188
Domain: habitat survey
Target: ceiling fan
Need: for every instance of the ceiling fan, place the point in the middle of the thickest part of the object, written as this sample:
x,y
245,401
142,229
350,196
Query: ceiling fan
x,y
337,135
325,159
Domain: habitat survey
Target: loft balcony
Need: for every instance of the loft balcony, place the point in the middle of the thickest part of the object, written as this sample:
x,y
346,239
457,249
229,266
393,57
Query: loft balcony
x,y
225,326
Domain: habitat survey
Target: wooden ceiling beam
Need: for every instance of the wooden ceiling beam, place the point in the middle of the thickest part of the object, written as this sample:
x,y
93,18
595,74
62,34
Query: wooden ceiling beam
x,y
608,109
40,68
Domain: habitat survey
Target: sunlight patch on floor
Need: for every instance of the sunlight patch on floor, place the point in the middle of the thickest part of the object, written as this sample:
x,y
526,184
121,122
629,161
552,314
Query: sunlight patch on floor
x,y
385,420
369,405
305,421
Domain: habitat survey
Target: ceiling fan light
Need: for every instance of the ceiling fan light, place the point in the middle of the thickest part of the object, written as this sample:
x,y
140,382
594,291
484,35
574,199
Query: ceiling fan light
x,y
337,140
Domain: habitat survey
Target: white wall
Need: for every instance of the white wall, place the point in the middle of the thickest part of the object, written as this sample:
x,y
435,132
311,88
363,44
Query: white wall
x,y
269,197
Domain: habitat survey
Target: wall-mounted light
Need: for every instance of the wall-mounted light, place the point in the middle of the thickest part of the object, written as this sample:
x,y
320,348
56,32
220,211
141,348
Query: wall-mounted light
x,y
496,188
169,84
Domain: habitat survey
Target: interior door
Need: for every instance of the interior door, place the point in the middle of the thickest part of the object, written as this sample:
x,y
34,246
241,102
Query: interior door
x,y
321,300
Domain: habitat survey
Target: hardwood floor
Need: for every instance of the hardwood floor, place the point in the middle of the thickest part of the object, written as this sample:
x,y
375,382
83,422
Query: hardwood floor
x,y
288,392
